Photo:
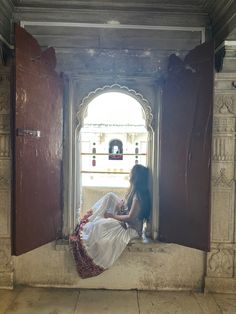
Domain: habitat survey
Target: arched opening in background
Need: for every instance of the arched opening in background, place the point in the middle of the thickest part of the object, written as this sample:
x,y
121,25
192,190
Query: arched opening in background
x,y
112,139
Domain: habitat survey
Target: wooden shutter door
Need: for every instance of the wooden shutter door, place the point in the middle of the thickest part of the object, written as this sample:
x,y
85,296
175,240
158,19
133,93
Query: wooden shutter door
x,y
185,149
37,206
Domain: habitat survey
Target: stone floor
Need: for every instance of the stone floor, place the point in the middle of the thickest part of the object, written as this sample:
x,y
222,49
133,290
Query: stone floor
x,y
25,300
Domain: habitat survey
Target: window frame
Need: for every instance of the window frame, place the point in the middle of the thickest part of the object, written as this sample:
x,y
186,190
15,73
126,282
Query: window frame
x,y
72,158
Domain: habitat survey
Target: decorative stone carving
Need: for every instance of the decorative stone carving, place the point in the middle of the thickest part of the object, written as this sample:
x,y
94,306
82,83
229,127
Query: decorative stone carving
x,y
4,93
4,213
118,88
224,104
220,263
4,181
4,76
223,139
4,146
6,269
222,216
4,101
223,125
6,265
4,123
223,149
5,255
4,175
222,180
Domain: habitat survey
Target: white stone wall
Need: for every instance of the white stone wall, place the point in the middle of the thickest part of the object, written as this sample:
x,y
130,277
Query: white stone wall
x,y
141,266
221,276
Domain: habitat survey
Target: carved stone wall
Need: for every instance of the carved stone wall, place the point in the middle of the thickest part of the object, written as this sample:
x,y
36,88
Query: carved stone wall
x,y
6,271
221,276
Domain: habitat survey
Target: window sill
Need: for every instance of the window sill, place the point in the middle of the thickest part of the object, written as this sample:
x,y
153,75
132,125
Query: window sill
x,y
146,245
136,245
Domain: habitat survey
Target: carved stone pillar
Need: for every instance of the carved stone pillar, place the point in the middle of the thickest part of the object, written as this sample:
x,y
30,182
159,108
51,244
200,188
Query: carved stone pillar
x,y
221,275
6,270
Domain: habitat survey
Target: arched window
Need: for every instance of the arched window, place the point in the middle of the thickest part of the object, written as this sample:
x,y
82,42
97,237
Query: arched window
x,y
112,136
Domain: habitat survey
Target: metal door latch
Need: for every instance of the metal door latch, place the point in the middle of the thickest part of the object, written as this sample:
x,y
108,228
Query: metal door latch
x,y
25,132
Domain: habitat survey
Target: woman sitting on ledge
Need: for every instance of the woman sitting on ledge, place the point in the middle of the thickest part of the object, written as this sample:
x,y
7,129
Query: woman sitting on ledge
x,y
104,232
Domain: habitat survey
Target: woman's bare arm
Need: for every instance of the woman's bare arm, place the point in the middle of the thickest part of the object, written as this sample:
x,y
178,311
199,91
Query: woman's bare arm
x,y
132,213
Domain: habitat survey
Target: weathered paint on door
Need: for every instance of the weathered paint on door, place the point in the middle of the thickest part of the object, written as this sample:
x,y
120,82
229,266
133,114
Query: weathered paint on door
x,y
38,125
185,149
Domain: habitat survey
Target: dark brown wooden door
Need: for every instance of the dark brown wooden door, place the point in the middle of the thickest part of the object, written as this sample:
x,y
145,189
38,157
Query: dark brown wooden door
x,y
185,149
37,206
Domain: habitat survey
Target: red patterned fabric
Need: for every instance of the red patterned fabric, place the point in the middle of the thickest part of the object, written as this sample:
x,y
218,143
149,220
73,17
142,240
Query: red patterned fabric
x,y
85,265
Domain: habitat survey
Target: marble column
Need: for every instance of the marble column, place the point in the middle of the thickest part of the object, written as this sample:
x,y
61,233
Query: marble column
x,y
220,273
6,268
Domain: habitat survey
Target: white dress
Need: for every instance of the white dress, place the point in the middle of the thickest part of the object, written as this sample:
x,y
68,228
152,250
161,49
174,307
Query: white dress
x,y
97,241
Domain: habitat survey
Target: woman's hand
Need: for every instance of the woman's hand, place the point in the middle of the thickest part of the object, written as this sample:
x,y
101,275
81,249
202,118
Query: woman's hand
x,y
121,204
108,215
120,207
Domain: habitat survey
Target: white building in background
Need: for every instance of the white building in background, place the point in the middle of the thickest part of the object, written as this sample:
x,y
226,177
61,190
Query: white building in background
x,y
109,152
112,140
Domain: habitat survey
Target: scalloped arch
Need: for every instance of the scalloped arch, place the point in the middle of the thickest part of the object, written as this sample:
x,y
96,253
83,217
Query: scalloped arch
x,y
115,88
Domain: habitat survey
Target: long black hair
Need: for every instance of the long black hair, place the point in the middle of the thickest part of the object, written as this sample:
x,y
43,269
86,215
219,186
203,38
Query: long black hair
x,y
139,186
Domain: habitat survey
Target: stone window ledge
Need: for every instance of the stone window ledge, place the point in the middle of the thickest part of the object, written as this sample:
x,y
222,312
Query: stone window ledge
x,y
146,245
137,245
